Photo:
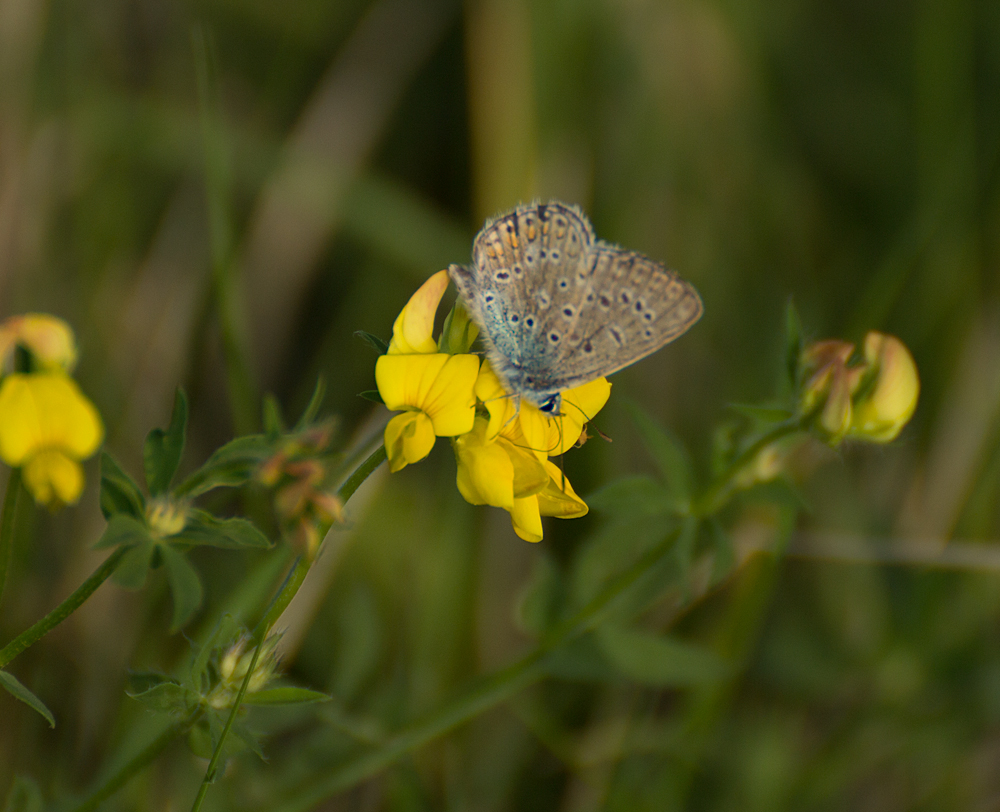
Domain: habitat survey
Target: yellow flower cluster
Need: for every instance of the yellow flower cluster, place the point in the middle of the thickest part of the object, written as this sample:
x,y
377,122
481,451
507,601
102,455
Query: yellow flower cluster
x,y
871,400
47,425
502,447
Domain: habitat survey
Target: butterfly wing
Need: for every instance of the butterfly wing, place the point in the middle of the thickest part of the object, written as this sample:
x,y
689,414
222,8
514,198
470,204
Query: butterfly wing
x,y
512,289
623,307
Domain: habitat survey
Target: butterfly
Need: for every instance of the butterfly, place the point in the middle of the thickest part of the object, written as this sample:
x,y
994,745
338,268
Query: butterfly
x,y
559,308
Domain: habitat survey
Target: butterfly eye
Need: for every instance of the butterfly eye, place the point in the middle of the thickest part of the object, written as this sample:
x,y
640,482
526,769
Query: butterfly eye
x,y
551,404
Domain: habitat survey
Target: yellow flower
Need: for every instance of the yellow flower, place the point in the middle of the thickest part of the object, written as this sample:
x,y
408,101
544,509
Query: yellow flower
x,y
47,426
436,391
49,340
499,473
528,426
881,411
434,388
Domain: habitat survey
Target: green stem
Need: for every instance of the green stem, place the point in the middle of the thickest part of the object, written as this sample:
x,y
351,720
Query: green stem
x,y
488,693
716,495
213,765
145,757
7,524
63,610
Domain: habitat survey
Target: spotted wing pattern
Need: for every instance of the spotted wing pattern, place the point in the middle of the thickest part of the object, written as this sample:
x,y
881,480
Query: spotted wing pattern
x,y
559,308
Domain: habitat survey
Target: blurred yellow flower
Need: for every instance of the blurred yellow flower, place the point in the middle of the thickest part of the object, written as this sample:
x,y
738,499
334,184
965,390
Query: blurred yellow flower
x,y
47,426
871,399
881,411
49,340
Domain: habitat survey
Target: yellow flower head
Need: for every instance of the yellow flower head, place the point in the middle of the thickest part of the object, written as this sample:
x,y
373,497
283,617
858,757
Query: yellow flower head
x,y
881,411
47,426
433,389
49,340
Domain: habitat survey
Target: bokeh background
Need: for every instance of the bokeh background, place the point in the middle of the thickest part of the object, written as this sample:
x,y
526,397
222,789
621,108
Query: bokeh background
x,y
218,193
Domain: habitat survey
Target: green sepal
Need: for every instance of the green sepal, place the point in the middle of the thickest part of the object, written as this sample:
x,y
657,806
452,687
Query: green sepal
x,y
459,332
185,585
230,466
371,394
164,447
119,492
668,453
24,796
16,689
205,530
376,343
123,530
659,661
284,695
274,422
315,401
131,572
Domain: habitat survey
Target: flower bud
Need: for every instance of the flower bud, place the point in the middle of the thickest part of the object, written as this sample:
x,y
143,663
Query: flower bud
x,y
887,403
49,340
165,516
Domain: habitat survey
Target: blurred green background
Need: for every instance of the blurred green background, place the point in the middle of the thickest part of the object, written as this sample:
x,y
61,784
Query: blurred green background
x,y
218,193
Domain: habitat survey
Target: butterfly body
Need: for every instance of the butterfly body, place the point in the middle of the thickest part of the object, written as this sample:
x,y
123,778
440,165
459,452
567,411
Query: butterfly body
x,y
559,308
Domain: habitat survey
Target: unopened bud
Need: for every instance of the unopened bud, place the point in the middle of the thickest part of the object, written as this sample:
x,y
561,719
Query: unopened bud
x,y
166,516
887,404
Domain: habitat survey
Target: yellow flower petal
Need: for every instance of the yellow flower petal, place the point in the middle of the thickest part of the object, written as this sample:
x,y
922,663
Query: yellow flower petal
x,y
501,406
438,384
409,437
526,519
412,331
46,411
558,498
53,479
485,470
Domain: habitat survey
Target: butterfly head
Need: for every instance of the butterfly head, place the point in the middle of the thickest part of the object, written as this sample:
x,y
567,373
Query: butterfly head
x,y
552,405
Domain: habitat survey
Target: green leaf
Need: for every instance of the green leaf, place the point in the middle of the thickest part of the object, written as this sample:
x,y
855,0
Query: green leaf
x,y
185,585
162,452
793,343
284,695
371,394
204,529
231,466
13,686
633,495
660,661
312,409
684,548
131,572
141,681
119,492
24,796
123,531
380,346
274,423
668,453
